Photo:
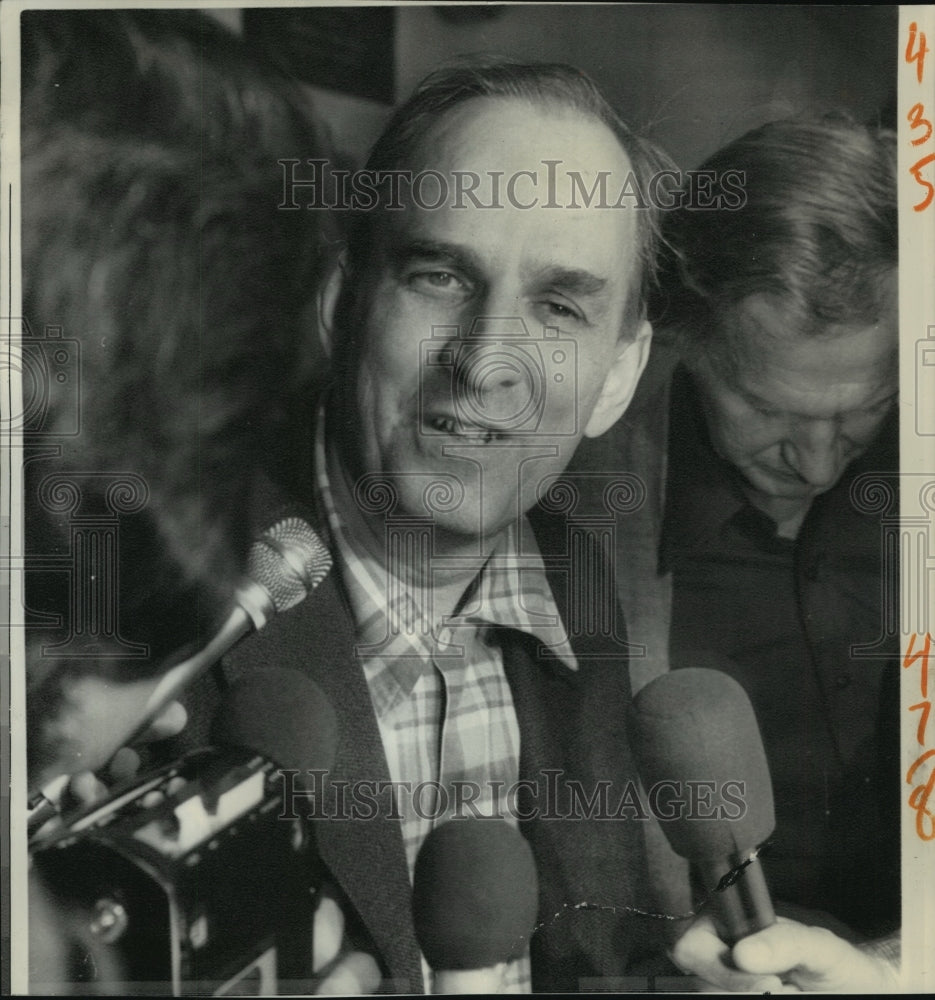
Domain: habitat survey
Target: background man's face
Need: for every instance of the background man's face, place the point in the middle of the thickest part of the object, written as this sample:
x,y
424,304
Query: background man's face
x,y
797,409
493,415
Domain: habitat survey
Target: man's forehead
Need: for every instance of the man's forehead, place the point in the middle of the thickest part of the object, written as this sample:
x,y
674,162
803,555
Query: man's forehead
x,y
766,350
484,135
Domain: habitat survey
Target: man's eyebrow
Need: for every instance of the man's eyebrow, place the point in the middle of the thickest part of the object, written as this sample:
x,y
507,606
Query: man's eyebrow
x,y
573,280
435,250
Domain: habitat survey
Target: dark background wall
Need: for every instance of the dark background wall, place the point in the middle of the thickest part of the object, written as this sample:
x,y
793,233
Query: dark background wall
x,y
691,76
694,76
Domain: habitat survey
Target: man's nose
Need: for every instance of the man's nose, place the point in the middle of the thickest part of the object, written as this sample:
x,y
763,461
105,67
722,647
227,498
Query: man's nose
x,y
500,384
489,367
495,356
813,450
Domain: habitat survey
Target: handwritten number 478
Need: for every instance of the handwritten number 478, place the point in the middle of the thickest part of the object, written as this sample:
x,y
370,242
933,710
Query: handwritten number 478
x,y
921,794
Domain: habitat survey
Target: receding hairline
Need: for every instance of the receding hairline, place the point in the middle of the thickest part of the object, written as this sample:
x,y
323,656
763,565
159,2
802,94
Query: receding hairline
x,y
545,106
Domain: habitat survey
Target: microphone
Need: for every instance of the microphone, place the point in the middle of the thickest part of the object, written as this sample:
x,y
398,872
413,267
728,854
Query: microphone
x,y
474,902
285,564
281,715
697,725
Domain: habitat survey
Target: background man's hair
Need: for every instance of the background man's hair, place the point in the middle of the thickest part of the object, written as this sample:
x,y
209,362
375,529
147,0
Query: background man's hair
x,y
151,235
543,85
818,228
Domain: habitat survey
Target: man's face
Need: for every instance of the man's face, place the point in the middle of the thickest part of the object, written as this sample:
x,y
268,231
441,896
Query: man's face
x,y
490,340
796,410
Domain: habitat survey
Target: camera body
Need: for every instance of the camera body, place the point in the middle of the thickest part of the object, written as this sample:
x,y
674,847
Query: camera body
x,y
501,376
188,883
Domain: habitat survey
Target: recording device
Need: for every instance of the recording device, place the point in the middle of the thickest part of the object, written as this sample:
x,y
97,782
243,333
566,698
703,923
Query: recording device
x,y
474,901
189,881
285,564
697,725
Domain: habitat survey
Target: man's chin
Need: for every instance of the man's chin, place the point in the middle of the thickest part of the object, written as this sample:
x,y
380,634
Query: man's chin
x,y
469,527
781,506
777,487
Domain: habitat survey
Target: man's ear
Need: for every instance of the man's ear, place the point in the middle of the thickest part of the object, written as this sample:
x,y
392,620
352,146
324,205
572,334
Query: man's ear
x,y
621,382
328,295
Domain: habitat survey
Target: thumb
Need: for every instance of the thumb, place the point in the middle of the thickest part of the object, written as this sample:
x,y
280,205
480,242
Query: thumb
x,y
169,722
813,958
789,945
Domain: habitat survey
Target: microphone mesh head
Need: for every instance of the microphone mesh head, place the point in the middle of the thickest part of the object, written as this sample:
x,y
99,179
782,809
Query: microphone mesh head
x,y
289,560
695,729
475,894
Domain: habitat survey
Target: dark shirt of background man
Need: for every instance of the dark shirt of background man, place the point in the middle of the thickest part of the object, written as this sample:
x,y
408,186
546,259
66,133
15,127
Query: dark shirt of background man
x,y
785,614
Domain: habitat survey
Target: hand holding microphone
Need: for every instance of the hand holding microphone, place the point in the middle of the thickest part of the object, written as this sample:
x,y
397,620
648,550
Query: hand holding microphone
x,y
285,564
697,725
474,902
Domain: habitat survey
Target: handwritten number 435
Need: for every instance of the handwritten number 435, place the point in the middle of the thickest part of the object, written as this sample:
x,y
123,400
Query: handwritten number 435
x,y
916,51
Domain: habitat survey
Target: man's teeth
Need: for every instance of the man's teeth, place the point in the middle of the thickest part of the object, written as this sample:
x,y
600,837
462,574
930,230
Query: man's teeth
x,y
447,425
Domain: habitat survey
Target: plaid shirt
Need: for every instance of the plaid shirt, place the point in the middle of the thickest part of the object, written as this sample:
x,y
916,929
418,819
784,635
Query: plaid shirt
x,y
437,683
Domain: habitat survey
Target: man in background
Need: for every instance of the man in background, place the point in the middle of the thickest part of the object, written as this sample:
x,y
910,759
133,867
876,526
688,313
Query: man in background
x,y
772,389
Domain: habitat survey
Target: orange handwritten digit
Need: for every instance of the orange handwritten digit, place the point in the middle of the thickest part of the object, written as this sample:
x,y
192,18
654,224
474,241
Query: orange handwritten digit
x,y
917,121
919,55
919,796
923,655
926,707
916,172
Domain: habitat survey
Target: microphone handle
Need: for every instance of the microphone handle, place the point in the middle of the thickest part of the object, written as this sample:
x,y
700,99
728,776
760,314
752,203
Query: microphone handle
x,y
743,907
177,678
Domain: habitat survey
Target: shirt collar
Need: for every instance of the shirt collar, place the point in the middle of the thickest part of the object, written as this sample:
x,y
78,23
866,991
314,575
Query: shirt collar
x,y
511,590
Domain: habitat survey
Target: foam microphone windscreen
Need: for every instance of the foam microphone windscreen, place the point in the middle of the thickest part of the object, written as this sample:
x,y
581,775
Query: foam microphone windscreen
x,y
475,894
697,725
280,714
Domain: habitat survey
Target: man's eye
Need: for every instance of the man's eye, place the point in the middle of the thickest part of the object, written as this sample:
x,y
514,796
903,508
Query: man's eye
x,y
561,310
